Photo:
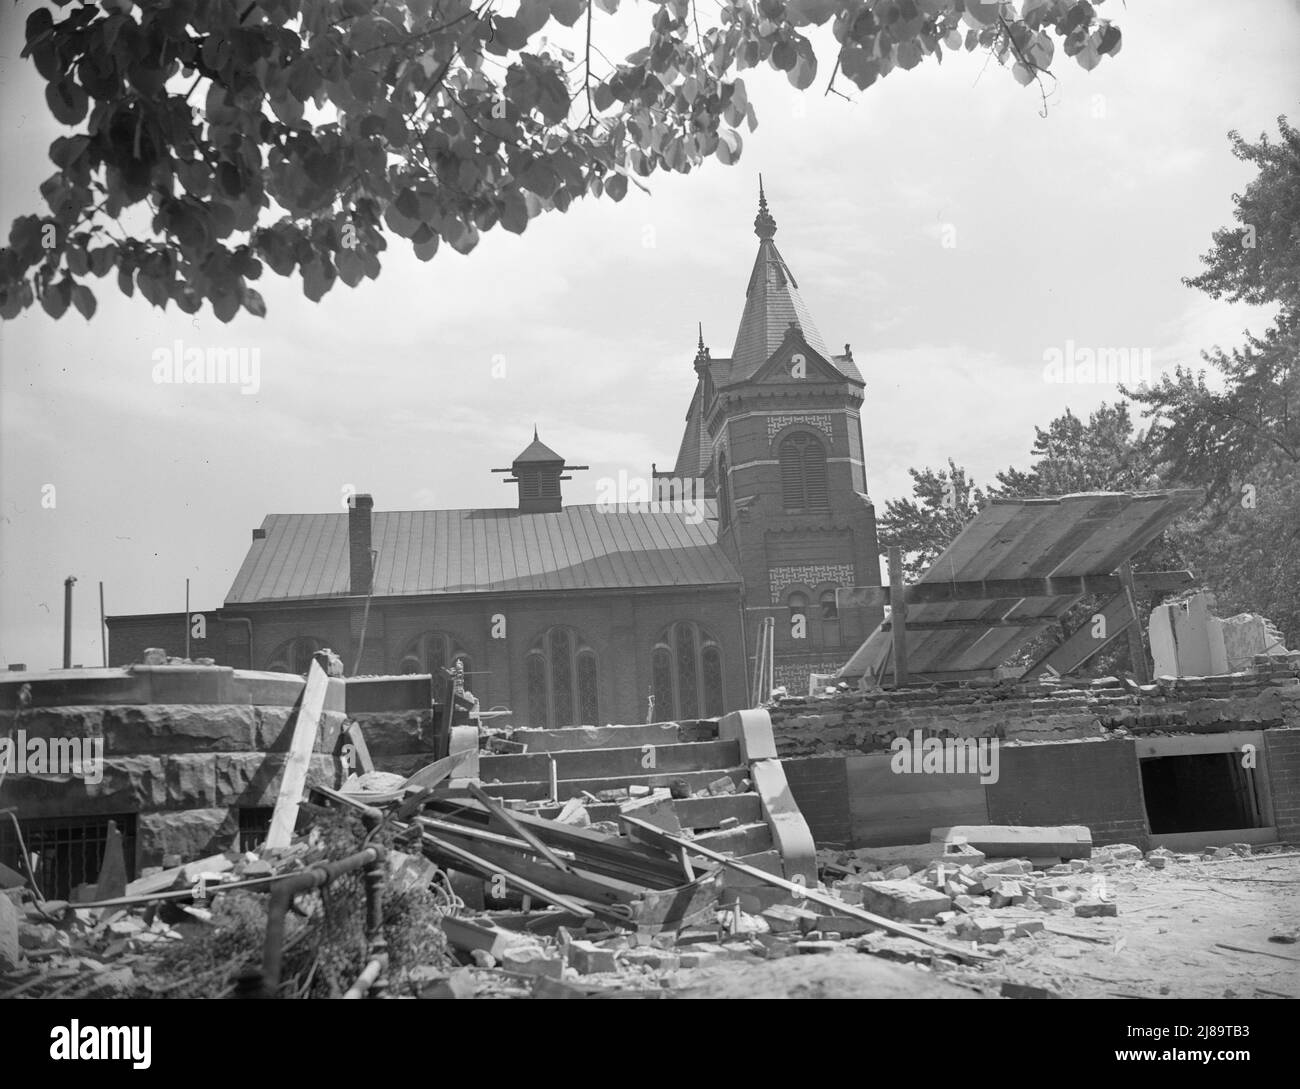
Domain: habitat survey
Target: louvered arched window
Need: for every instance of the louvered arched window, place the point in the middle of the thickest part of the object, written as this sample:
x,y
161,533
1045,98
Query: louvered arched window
x,y
803,472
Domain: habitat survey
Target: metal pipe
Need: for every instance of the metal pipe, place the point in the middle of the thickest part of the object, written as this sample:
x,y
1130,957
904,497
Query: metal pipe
x,y
103,627
282,897
187,620
67,620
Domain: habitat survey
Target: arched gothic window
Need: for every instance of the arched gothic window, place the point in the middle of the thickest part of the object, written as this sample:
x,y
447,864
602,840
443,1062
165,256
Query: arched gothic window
x,y
687,673
561,672
431,652
294,655
803,472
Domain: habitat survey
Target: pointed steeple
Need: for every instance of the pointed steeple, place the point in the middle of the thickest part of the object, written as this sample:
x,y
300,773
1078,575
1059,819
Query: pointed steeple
x,y
764,224
701,352
772,303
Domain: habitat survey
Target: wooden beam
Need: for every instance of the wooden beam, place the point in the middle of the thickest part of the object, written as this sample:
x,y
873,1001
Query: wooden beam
x,y
360,750
305,726
668,842
1084,643
977,624
898,615
1136,651
931,593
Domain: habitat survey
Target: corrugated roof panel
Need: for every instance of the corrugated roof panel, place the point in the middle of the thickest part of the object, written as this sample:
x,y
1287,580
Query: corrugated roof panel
x,y
1084,534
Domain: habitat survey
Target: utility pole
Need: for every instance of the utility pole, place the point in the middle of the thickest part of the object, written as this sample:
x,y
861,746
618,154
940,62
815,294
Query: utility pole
x,y
67,620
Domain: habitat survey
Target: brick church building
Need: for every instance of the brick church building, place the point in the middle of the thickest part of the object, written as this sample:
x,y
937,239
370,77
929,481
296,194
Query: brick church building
x,y
569,614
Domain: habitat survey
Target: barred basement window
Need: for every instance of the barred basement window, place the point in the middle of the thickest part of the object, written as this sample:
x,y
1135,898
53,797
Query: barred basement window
x,y
432,652
686,670
68,851
254,826
803,472
562,680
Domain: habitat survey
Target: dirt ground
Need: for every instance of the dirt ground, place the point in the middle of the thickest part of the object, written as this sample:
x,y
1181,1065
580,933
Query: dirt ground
x,y
1169,940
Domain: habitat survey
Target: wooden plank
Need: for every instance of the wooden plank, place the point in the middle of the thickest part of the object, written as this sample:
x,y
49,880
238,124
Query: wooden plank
x,y
507,818
485,869
898,615
364,764
1136,651
932,593
1082,645
669,842
294,778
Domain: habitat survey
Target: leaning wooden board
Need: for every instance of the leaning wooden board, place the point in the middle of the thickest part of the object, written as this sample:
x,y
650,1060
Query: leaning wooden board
x,y
305,727
672,843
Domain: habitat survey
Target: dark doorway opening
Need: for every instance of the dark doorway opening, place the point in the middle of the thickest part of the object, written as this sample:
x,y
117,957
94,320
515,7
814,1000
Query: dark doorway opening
x,y
1204,792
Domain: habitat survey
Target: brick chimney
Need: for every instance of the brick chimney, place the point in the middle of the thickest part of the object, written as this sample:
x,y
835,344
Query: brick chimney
x,y
359,508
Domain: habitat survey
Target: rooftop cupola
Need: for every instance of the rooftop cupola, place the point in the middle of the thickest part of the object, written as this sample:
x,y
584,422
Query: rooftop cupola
x,y
538,470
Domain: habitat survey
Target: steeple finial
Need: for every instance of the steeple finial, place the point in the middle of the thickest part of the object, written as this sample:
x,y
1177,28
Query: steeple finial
x,y
535,439
764,224
701,352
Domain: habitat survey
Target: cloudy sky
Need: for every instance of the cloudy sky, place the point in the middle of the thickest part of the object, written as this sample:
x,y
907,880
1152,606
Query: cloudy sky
x,y
937,223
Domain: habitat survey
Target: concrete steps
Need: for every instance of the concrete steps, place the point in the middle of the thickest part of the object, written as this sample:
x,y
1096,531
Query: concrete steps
x,y
762,824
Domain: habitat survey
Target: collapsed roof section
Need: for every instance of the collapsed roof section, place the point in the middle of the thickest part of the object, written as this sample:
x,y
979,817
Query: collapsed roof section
x,y
1017,567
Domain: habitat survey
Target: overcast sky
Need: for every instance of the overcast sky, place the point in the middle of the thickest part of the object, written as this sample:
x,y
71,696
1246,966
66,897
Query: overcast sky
x,y
937,223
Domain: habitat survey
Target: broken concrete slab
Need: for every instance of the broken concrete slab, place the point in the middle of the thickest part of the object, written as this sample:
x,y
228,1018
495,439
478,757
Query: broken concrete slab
x,y
1020,841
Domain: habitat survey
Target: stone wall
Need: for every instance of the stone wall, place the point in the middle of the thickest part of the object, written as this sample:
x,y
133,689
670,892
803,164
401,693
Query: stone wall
x,y
185,747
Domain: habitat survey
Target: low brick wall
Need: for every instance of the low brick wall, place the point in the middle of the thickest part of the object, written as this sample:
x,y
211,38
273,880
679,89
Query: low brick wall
x,y
1068,755
185,747
856,722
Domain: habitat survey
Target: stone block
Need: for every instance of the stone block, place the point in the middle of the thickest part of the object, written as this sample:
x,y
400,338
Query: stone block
x,y
587,958
189,834
129,784
1124,852
1026,927
649,957
530,961
1092,908
1007,894
904,901
785,918
179,727
190,780
980,928
253,779
395,733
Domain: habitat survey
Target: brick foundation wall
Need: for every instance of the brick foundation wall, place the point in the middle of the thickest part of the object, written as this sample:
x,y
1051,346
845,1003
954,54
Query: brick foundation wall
x,y
1096,784
1282,752
857,722
820,787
